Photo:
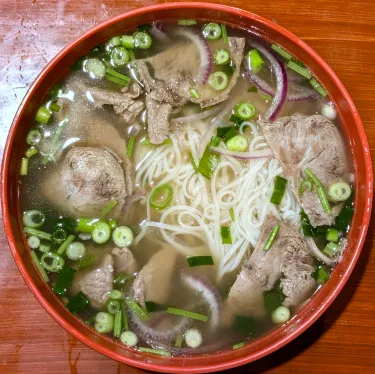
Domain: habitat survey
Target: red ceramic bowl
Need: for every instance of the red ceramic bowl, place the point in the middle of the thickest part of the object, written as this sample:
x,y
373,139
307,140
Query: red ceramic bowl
x,y
354,132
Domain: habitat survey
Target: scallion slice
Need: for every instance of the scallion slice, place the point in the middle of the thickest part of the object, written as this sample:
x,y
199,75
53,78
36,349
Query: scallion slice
x,y
43,115
116,77
54,107
33,218
31,151
321,274
237,143
130,148
209,160
193,162
64,280
101,232
188,314
129,339
119,56
318,87
221,57
104,322
331,249
193,93
332,234
39,266
200,261
224,32
339,191
320,189
127,41
122,236
272,237
244,110
38,233
279,189
161,196
65,245
160,352
75,251
306,185
226,237
218,80
142,40
120,281
299,69
137,309
113,306
255,60
281,51
187,22
238,346
33,242
24,166
117,326
231,213
125,324
95,68
52,262
212,31
33,137
86,224
110,205
87,260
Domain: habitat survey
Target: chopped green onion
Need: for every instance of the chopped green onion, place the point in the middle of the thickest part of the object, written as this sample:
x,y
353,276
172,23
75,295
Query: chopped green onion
x,y
244,110
212,31
188,314
38,233
127,41
221,57
339,191
131,55
187,22
231,213
64,280
87,260
218,80
137,309
33,242
321,274
24,167
129,339
31,151
226,132
116,295
279,189
244,325
33,137
280,51
110,205
59,235
95,68
120,82
112,223
160,352
121,280
272,237
232,133
299,69
117,326
255,60
75,251
332,235
193,338
86,224
65,244
345,216
252,89
119,56
236,120
224,33
55,91
113,306
320,189
209,160
104,322
306,185
44,248
101,232
178,341
142,40
273,298
43,115
129,151
238,346
153,307
331,249
226,237
161,196
193,162
39,266
200,261
193,93
318,87
281,315
33,218
238,144
54,107
84,236
113,42
266,97
52,262
228,69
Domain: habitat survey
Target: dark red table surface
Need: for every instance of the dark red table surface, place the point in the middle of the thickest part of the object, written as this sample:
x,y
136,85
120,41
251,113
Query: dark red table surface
x,y
341,31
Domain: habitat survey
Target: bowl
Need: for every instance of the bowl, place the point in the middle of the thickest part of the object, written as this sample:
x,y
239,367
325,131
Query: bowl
x,y
353,130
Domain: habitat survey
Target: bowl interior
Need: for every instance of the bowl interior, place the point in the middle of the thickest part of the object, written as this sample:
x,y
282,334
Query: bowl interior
x,y
60,66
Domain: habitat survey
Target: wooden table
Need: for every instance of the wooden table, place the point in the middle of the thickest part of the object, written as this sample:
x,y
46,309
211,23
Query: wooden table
x,y
341,31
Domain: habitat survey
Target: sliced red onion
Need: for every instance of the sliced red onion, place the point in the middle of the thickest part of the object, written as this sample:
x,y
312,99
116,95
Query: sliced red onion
x,y
204,52
208,292
266,153
196,116
147,331
281,83
315,251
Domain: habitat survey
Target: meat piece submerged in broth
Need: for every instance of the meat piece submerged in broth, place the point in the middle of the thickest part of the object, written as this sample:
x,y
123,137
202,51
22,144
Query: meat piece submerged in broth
x,y
288,258
88,179
299,142
124,261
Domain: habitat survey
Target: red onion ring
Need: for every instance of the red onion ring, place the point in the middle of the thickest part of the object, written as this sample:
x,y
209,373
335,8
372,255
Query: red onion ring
x,y
266,153
196,116
208,292
204,51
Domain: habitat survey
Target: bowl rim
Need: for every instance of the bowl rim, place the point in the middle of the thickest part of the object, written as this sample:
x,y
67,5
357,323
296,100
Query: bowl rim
x,y
236,361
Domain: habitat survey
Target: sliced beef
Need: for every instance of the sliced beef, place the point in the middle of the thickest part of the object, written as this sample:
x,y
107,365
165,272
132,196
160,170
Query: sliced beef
x,y
97,283
124,261
123,102
157,120
288,259
154,280
314,142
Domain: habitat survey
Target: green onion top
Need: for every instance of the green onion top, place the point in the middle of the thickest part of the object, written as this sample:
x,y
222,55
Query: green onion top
x,y
281,51
209,160
278,190
226,236
188,314
161,196
137,309
272,237
200,261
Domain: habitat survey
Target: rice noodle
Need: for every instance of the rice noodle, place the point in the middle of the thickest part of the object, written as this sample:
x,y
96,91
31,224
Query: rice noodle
x,y
199,207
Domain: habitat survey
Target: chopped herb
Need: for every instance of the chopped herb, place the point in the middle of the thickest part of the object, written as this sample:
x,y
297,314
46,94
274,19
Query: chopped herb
x,y
252,89
200,261
226,237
